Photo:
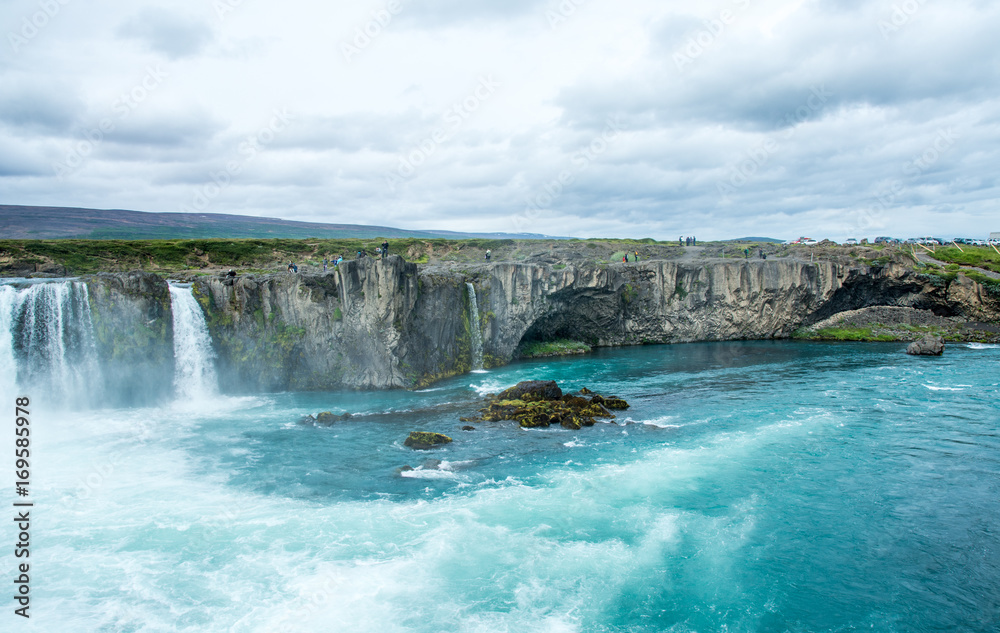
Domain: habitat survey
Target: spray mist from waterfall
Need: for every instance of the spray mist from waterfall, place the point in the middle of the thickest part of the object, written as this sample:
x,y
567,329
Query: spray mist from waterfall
x,y
194,367
475,334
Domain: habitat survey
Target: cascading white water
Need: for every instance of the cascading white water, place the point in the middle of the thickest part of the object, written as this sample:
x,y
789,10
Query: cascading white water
x,y
476,335
194,367
47,340
8,366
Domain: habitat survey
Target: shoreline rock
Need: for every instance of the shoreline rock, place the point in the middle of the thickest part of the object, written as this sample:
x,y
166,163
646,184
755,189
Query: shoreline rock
x,y
927,346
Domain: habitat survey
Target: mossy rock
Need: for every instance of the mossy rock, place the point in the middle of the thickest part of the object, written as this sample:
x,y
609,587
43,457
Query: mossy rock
x,y
532,390
423,440
575,401
540,404
615,403
326,418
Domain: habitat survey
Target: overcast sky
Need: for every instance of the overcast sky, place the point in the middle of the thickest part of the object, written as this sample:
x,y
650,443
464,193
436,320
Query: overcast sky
x,y
582,118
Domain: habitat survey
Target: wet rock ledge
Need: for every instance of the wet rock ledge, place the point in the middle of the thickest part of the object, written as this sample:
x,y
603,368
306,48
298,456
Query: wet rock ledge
x,y
541,403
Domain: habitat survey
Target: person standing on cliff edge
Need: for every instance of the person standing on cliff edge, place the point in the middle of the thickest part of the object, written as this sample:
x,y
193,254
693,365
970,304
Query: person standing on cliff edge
x,y
385,249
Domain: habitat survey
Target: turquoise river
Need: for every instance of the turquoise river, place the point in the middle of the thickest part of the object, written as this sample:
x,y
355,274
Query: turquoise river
x,y
751,487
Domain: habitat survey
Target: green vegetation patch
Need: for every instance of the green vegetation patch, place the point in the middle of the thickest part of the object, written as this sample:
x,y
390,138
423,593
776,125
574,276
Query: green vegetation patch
x,y
561,347
969,256
843,334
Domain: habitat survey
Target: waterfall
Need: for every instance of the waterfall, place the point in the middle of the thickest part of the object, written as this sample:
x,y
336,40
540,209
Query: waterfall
x,y
8,366
194,369
476,335
47,340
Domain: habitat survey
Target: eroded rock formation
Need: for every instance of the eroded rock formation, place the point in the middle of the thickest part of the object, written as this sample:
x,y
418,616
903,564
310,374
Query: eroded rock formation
x,y
388,323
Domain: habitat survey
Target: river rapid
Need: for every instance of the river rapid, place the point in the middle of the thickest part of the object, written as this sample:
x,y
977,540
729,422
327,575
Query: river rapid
x,y
752,486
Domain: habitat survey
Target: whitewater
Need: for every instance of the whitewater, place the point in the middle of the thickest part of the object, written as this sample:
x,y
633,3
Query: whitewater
x,y
752,486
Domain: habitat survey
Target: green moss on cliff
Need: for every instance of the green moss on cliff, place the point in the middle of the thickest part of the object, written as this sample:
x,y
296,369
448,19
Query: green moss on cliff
x,y
561,347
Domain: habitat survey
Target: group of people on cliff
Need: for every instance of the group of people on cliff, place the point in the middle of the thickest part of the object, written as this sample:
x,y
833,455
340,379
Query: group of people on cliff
x,y
381,251
687,241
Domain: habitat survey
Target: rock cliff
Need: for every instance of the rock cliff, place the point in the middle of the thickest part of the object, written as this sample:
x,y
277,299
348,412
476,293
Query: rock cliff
x,y
133,333
384,324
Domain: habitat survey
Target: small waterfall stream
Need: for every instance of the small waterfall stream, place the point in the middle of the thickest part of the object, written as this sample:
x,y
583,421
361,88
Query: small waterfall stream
x,y
194,367
475,335
47,339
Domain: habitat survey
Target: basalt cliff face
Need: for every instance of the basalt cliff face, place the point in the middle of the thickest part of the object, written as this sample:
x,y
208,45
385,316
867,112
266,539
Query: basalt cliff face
x,y
385,324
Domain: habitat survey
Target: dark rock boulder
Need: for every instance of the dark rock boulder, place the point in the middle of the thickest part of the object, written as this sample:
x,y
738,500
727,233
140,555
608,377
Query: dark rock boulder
x,y
615,403
927,346
423,440
326,418
532,391
534,404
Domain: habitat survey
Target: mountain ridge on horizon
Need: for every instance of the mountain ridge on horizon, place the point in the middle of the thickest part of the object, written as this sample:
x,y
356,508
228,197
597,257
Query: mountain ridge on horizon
x,y
49,223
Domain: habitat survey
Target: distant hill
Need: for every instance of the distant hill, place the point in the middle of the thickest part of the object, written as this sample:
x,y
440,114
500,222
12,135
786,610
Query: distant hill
x,y
756,239
52,223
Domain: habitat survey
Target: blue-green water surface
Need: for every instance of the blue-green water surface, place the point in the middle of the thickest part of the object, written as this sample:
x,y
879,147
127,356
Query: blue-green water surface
x,y
757,486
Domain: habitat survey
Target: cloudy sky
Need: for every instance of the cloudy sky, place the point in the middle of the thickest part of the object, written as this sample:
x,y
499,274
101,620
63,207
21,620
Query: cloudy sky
x,y
583,118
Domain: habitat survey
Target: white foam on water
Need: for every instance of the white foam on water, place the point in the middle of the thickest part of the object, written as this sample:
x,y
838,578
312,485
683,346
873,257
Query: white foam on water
x,y
982,346
487,386
938,388
662,422
479,371
461,464
159,542
429,473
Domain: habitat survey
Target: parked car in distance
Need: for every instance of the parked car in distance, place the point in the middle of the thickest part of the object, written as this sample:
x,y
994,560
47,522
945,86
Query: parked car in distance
x,y
850,242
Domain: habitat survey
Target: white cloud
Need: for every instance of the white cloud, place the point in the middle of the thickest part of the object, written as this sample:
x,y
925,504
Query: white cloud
x,y
722,135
